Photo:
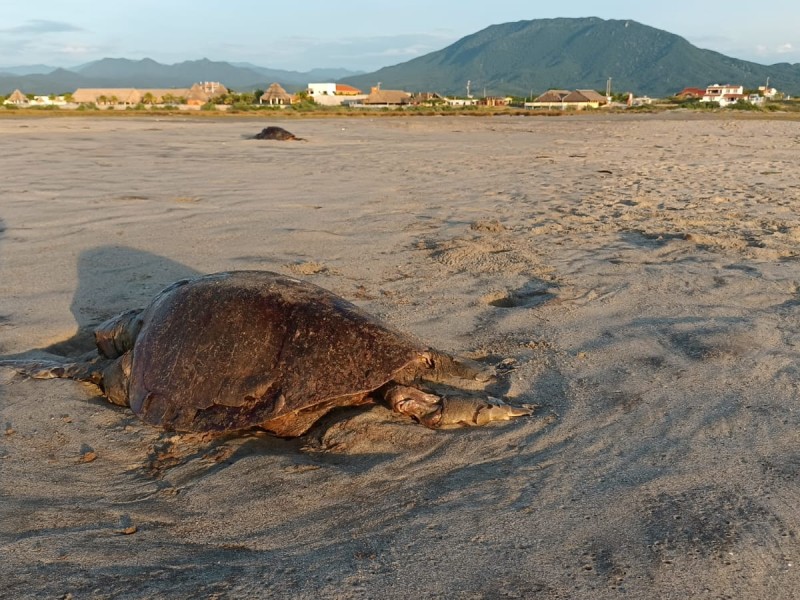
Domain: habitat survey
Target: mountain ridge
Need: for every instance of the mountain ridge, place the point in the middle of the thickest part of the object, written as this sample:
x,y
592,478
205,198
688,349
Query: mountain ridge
x,y
521,58
532,56
148,73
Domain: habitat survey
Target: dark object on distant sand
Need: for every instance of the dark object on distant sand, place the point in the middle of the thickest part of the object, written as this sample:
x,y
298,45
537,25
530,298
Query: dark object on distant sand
x,y
276,133
243,349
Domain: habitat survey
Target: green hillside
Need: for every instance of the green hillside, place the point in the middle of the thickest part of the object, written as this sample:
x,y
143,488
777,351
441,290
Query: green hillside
x,y
517,58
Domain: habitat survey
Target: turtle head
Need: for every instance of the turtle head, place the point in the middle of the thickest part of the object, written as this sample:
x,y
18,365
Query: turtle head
x,y
462,372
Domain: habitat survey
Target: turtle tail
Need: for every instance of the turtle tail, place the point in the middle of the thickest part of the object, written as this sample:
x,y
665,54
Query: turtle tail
x,y
90,371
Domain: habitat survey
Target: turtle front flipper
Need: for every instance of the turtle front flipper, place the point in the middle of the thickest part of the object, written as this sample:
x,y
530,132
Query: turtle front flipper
x,y
438,412
411,402
469,412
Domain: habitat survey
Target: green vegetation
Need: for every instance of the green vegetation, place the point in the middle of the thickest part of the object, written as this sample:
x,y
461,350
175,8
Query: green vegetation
x,y
744,105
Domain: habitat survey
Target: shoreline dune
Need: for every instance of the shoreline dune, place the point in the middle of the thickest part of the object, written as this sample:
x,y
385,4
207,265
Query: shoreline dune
x,y
636,276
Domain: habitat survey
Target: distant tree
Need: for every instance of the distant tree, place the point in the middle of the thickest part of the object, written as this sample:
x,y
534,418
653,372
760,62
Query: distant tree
x,y
102,99
221,99
68,97
169,99
148,98
257,95
113,100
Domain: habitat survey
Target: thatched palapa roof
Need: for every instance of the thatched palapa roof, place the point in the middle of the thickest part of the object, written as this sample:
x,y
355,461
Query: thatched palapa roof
x,y
125,95
275,94
17,97
379,96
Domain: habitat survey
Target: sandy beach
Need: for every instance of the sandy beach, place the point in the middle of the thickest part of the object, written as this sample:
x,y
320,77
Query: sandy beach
x,y
636,277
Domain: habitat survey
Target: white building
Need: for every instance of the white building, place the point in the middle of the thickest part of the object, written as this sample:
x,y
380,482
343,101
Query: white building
x,y
332,94
48,101
767,92
724,94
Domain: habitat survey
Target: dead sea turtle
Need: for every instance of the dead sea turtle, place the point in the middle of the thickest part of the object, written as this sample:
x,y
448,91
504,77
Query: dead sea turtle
x,y
244,349
276,133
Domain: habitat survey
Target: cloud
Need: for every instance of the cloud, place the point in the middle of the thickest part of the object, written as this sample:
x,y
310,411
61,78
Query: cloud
x,y
40,26
77,50
782,52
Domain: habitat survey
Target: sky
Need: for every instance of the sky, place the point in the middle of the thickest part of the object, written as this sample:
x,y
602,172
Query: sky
x,y
354,34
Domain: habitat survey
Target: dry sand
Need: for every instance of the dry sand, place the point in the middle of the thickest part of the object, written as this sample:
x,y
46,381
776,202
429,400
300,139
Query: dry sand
x,y
639,273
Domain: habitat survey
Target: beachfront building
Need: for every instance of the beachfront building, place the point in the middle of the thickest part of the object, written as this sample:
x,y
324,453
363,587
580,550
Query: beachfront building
x,y
334,94
427,99
204,92
568,100
17,98
768,92
275,96
129,96
494,101
48,101
724,94
332,89
107,96
459,102
198,94
386,98
690,93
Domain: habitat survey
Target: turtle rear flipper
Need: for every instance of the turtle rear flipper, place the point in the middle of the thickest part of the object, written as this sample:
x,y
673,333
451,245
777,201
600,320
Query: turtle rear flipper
x,y
117,335
89,371
111,376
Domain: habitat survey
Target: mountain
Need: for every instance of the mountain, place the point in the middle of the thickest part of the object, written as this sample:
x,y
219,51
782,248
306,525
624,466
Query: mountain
x,y
30,70
532,56
123,72
302,78
58,82
521,58
147,73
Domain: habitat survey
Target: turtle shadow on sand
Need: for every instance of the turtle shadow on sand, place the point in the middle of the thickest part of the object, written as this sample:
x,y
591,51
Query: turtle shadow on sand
x,y
180,461
239,350
112,279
